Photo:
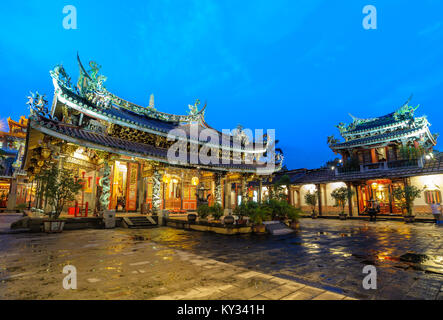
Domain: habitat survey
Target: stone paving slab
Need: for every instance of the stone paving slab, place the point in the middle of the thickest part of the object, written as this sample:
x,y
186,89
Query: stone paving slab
x,y
324,259
112,265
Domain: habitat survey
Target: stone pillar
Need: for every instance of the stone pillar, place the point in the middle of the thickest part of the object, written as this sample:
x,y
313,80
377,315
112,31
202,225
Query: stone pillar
x,y
106,186
218,188
12,194
290,197
260,189
244,190
228,200
349,185
319,199
182,190
140,188
156,183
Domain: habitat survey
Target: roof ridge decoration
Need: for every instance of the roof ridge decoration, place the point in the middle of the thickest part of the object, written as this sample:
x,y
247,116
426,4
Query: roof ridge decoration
x,y
38,105
90,85
405,112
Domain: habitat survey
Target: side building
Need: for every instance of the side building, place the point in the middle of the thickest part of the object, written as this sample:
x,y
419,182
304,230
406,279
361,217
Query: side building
x,y
14,189
377,155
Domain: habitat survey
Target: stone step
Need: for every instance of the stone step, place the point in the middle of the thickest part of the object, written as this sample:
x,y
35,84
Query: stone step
x,y
277,228
139,222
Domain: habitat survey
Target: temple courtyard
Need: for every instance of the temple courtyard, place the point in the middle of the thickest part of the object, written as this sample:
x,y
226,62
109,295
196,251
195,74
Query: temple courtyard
x,y
324,259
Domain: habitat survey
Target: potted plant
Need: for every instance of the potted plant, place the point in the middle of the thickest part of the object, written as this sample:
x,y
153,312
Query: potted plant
x,y
311,199
341,196
259,215
294,215
203,212
61,188
216,211
21,207
406,197
245,210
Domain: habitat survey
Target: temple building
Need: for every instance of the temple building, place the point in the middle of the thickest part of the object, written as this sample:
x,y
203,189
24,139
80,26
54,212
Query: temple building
x,y
135,158
377,155
13,187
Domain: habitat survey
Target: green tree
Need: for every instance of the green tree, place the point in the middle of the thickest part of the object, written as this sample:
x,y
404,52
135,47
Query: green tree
x,y
406,197
58,187
279,187
311,199
341,196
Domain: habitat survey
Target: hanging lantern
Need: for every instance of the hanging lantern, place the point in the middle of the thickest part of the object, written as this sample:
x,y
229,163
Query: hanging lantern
x,y
166,178
194,181
174,181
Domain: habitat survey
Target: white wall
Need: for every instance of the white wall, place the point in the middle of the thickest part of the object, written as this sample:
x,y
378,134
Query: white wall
x,y
431,182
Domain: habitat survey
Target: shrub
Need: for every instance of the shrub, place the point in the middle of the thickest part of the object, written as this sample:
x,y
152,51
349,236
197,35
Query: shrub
x,y
246,208
280,209
293,213
406,196
259,215
216,211
203,211
21,206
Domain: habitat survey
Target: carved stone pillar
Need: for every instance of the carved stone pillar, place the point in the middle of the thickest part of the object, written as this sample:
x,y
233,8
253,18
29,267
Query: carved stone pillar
x,y
106,186
260,189
218,188
244,190
156,186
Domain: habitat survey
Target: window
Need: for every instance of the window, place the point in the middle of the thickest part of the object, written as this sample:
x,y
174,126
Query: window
x,y
432,196
364,156
381,154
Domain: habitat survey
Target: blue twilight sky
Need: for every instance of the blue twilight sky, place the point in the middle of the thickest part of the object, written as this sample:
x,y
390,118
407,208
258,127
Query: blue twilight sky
x,y
295,66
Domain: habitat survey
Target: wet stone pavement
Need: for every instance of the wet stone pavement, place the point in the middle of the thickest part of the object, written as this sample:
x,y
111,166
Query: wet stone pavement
x,y
323,260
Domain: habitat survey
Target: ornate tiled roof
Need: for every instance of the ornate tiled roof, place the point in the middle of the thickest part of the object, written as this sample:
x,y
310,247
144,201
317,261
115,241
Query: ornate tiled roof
x,y
394,135
92,99
397,126
94,140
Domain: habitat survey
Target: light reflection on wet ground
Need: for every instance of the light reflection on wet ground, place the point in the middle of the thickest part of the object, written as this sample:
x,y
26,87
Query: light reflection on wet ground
x,y
329,254
332,254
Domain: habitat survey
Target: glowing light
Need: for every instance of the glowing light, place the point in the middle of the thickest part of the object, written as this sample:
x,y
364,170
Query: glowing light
x,y
336,185
166,178
195,181
431,182
310,188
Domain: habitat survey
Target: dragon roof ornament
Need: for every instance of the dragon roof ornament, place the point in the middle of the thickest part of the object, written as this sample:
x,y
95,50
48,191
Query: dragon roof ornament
x,y
90,85
403,113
